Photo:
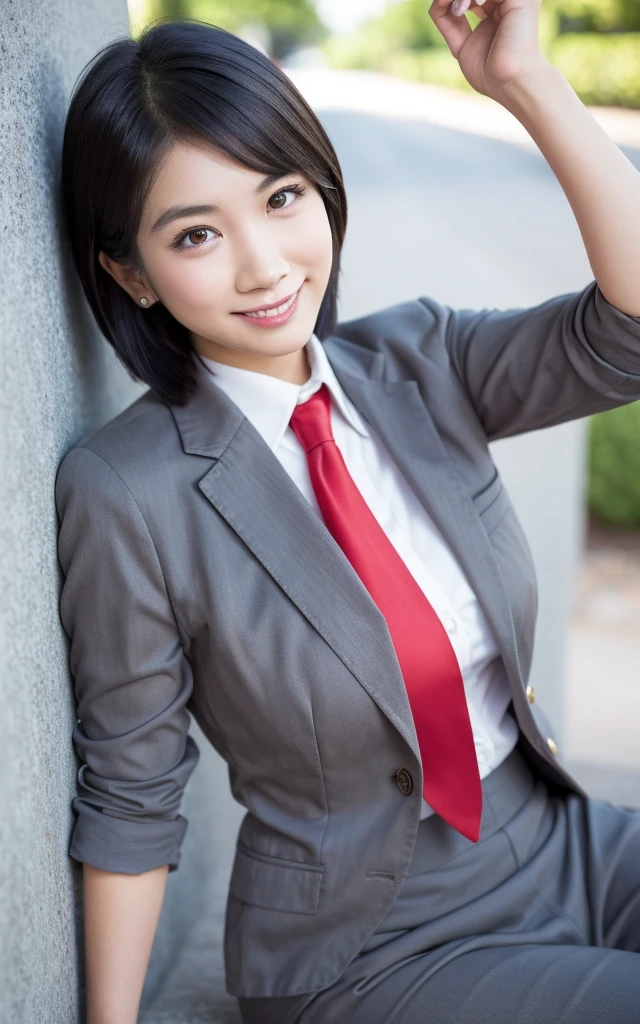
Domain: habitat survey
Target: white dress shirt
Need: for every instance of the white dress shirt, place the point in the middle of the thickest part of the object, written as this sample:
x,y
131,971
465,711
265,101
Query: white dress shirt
x,y
269,403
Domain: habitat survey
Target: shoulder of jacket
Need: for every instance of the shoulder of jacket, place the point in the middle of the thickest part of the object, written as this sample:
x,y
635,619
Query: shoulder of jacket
x,y
404,322
408,340
126,443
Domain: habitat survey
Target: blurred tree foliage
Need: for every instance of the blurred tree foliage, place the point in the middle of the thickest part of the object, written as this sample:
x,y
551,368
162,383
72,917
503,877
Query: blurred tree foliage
x,y
598,15
614,465
291,23
604,69
403,40
594,43
406,26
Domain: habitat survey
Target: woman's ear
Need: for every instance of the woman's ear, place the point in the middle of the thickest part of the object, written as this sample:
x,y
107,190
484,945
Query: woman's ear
x,y
132,282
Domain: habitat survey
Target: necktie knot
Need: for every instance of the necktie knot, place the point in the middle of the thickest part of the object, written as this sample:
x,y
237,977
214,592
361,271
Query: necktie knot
x,y
311,420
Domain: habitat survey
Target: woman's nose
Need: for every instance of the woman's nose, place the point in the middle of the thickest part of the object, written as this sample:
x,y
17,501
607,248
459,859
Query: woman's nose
x,y
260,264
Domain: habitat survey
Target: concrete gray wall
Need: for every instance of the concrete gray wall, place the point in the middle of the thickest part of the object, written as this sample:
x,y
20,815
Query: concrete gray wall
x,y
59,380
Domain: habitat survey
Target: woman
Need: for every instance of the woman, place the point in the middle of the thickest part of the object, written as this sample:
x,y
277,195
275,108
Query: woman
x,y
298,535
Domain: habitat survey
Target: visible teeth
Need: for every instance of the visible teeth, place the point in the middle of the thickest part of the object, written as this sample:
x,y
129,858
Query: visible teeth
x,y
276,311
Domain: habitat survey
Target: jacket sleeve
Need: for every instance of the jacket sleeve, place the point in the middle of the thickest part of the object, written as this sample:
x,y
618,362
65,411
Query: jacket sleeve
x,y
130,674
568,357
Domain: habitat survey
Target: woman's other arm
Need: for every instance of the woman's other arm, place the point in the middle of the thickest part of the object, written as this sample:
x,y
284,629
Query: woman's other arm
x,y
501,58
600,182
121,915
132,683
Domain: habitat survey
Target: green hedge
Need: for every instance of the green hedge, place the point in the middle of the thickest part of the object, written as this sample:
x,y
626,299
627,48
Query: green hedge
x,y
597,15
614,465
603,69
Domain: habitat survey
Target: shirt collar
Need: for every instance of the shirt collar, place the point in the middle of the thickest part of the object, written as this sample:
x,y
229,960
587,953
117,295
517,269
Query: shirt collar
x,y
269,401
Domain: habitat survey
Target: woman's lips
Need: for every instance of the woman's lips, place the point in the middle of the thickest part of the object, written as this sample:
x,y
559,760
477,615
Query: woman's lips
x,y
273,318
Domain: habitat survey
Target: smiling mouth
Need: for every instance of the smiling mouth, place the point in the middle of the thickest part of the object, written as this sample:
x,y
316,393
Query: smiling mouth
x,y
276,311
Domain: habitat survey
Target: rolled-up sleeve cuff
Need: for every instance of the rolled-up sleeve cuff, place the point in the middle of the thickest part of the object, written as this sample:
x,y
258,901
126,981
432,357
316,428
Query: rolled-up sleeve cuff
x,y
131,847
616,335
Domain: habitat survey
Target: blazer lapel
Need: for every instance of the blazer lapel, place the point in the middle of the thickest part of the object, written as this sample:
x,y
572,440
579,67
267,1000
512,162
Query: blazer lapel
x,y
253,492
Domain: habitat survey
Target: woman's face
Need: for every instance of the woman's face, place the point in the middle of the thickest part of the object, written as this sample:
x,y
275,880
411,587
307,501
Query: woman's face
x,y
241,249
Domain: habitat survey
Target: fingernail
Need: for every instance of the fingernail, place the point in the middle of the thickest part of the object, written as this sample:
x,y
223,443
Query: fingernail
x,y
456,7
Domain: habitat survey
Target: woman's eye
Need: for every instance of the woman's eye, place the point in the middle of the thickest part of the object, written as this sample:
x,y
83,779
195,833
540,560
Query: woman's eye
x,y
195,236
295,190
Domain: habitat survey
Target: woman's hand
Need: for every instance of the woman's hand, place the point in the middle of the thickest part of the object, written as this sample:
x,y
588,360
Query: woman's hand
x,y
502,48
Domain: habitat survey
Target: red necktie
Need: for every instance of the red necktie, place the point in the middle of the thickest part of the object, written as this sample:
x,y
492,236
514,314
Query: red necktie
x,y
427,660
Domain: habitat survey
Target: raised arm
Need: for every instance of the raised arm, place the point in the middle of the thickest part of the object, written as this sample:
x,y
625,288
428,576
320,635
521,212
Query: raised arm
x,y
501,59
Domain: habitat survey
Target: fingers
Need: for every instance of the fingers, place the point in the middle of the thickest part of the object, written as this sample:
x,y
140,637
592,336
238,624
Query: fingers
x,y
457,8
455,29
460,7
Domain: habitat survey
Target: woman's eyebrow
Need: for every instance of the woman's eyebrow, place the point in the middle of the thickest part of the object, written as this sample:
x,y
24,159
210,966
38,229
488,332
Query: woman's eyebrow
x,y
175,212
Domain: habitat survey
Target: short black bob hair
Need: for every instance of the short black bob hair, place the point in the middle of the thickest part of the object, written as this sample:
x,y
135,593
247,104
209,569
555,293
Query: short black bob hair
x,y
179,81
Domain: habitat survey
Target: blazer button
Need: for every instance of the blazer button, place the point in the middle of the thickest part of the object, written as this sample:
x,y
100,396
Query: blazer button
x,y
552,747
531,696
405,782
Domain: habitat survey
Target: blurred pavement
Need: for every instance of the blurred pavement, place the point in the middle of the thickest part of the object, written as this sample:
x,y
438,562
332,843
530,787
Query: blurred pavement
x,y
602,724
385,96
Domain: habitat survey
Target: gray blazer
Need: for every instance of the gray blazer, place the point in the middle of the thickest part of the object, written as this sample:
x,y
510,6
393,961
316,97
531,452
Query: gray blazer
x,y
198,579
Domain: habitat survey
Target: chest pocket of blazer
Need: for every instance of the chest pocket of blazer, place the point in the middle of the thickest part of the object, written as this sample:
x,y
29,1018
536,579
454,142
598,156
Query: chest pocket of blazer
x,y
275,883
492,503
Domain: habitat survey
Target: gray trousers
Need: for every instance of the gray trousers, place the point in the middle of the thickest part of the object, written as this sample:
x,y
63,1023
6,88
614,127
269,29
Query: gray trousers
x,y
538,921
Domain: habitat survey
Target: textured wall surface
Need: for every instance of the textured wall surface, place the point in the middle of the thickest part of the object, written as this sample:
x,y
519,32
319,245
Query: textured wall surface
x,y
60,379
57,379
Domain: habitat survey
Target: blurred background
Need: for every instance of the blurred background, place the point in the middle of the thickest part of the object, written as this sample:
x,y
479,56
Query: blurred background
x,y
593,42
448,197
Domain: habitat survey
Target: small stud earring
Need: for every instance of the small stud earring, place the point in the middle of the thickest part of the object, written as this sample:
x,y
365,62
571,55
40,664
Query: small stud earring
x,y
144,301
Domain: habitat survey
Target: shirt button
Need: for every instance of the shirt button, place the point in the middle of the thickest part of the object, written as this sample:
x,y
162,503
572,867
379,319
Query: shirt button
x,y
405,782
450,625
